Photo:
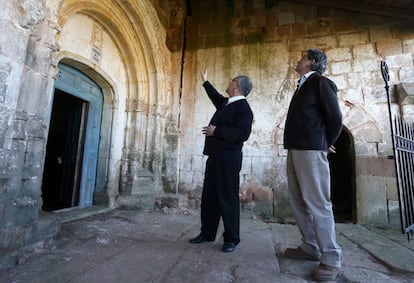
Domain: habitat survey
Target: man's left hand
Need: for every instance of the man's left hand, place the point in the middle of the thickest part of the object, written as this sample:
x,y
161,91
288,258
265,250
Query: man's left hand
x,y
209,130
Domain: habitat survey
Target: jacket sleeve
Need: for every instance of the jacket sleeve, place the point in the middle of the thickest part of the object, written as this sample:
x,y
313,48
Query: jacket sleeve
x,y
331,111
215,97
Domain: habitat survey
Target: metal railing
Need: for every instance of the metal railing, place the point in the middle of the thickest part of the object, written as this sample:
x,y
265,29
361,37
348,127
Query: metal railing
x,y
402,134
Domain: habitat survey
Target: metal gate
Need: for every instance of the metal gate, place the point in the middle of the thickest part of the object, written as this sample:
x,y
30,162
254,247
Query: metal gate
x,y
402,134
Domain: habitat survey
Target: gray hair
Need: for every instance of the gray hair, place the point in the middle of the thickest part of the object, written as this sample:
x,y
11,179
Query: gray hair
x,y
245,84
320,60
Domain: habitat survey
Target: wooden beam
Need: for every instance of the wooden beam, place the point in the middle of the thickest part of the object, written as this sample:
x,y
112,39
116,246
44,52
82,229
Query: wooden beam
x,y
354,6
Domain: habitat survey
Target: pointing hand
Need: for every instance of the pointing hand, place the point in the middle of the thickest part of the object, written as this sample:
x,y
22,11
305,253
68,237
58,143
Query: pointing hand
x,y
203,75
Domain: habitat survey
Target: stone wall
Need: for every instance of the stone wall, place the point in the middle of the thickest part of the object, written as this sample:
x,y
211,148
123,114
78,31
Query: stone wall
x,y
264,40
27,43
112,46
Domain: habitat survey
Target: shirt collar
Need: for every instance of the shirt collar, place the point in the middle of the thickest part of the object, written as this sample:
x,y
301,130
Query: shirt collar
x,y
308,74
304,77
235,98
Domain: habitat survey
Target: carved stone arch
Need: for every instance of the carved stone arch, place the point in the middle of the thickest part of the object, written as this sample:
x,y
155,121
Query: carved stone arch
x,y
134,28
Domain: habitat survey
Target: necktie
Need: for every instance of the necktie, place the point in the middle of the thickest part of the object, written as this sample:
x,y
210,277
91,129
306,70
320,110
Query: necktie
x,y
300,82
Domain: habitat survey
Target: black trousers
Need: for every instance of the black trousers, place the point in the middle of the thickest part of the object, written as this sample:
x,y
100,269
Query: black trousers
x,y
220,197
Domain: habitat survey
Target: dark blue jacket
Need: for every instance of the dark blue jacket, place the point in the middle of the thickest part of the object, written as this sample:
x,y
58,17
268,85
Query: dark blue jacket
x,y
314,119
233,124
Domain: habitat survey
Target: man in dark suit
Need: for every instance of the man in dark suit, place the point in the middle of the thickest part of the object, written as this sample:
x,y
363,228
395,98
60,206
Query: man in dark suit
x,y
313,124
228,129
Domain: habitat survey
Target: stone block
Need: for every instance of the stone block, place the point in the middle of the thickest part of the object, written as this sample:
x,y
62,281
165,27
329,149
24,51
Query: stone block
x,y
11,239
15,242
186,177
34,87
352,95
19,132
172,201
263,164
364,52
394,217
7,166
253,36
257,197
14,47
323,42
375,166
282,209
389,47
299,29
4,74
44,228
283,31
385,148
35,128
139,202
408,46
399,61
379,33
407,74
2,205
368,132
353,38
197,162
341,67
357,116
392,190
32,187
364,65
340,81
372,190
246,166
363,149
21,211
259,20
408,113
339,54
405,93
286,18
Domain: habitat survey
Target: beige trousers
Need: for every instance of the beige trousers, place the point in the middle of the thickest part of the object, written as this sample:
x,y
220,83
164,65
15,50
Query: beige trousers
x,y
309,191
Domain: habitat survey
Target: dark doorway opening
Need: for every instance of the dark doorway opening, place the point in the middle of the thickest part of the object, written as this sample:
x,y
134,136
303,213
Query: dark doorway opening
x,y
342,165
64,152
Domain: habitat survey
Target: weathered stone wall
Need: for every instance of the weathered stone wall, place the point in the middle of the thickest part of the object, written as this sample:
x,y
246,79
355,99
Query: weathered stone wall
x,y
131,63
264,40
27,43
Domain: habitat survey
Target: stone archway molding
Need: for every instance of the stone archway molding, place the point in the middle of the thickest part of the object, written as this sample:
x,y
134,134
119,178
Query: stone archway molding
x,y
134,28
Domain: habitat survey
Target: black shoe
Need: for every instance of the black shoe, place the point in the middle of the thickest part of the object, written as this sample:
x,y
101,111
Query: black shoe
x,y
229,247
200,239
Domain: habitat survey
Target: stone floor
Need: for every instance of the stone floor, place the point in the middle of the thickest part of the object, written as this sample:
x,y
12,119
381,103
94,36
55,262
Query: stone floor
x,y
133,246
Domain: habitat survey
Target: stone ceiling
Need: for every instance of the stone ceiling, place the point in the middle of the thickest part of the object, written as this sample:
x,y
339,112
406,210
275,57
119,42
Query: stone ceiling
x,y
392,8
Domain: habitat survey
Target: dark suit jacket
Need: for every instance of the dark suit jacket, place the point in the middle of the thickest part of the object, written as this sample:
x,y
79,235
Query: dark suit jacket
x,y
233,124
314,119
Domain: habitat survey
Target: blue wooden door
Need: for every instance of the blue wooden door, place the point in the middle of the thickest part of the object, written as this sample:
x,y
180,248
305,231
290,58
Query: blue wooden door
x,y
78,84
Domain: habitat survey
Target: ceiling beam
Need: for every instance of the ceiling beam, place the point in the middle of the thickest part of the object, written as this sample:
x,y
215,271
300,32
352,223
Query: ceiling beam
x,y
378,10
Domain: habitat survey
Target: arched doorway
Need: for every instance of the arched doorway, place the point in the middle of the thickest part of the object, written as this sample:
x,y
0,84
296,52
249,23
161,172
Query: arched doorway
x,y
342,165
72,149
